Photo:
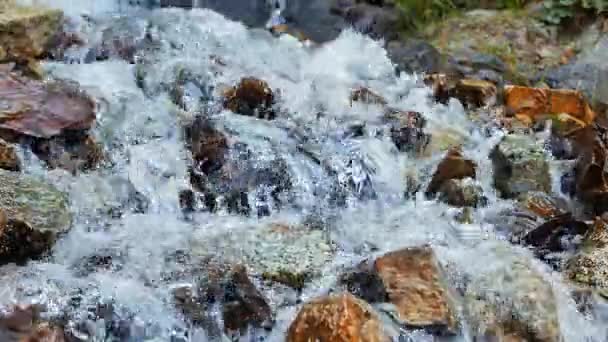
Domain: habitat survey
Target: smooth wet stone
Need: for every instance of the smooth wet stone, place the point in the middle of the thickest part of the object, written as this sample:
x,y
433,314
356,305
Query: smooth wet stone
x,y
377,22
476,93
290,255
511,302
208,145
337,318
251,97
26,32
453,166
462,193
520,166
9,160
37,213
42,109
412,280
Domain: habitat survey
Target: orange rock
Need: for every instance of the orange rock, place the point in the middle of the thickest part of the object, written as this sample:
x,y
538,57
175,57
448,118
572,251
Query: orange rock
x,y
413,282
534,104
338,318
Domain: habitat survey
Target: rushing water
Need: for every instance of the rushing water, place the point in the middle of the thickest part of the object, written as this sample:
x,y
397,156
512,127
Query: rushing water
x,y
142,131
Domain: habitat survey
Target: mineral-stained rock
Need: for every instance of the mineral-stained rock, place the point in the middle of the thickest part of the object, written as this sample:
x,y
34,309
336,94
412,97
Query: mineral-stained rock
x,y
453,166
407,132
8,157
590,265
412,280
251,97
365,95
336,318
26,32
520,166
476,93
511,301
36,212
42,110
535,104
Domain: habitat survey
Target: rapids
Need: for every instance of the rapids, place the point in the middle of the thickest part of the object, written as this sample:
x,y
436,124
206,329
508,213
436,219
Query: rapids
x,y
142,131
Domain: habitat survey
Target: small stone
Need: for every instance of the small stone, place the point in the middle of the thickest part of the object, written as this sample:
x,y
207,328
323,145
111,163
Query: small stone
x,y
453,166
476,93
365,95
8,157
589,266
73,152
251,97
462,193
209,146
407,132
335,319
520,166
442,86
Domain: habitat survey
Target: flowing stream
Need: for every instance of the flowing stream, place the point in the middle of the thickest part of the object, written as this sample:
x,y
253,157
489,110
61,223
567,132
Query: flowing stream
x,y
312,135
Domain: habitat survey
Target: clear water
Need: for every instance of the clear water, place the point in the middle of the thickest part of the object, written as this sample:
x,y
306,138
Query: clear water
x,y
143,134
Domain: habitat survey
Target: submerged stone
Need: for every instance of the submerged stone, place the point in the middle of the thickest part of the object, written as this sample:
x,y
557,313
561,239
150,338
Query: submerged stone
x,y
337,318
453,167
251,97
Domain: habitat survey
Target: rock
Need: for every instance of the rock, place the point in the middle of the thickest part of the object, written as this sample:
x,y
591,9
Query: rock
x,y
589,266
377,22
511,302
336,318
22,324
26,32
284,254
123,38
520,166
453,166
412,55
209,146
407,132
251,97
476,93
8,157
412,280
76,151
242,304
442,86
536,104
37,213
42,110
590,177
462,193
366,96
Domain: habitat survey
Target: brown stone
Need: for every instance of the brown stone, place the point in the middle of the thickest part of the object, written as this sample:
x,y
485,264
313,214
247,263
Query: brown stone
x,y
536,104
476,93
8,157
27,32
208,145
453,166
365,95
442,86
251,97
413,281
338,318
590,170
42,110
71,152
22,324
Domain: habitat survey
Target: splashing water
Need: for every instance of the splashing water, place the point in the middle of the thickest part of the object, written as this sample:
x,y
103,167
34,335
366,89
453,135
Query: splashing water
x,y
142,131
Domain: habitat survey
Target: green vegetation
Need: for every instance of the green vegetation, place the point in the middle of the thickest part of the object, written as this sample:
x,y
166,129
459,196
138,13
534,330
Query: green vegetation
x,y
557,11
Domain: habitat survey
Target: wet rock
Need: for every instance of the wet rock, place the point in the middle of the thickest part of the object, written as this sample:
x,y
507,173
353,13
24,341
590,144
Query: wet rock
x,y
22,324
8,157
511,302
413,55
251,97
520,166
476,93
407,132
453,166
590,177
73,151
365,95
377,22
462,193
37,213
26,32
336,318
209,146
532,105
290,255
412,280
589,266
123,38
42,110
442,85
